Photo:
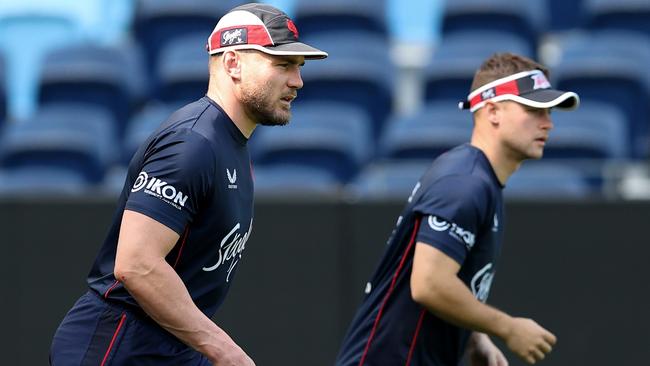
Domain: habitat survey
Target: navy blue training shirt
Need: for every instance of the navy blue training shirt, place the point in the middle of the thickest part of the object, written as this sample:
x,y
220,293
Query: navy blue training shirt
x,y
193,175
457,207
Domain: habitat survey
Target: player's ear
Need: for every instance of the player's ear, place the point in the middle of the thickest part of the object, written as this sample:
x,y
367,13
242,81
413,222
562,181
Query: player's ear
x,y
491,111
231,62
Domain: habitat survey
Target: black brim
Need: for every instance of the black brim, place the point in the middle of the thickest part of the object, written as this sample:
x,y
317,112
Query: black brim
x,y
287,49
549,98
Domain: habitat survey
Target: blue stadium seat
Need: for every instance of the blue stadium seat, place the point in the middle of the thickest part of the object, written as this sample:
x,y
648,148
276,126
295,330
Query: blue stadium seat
x,y
294,181
565,15
69,137
25,39
526,19
593,131
358,71
106,77
427,133
142,125
158,22
3,94
314,17
333,137
183,69
609,67
631,15
543,180
105,21
388,179
42,181
419,22
449,74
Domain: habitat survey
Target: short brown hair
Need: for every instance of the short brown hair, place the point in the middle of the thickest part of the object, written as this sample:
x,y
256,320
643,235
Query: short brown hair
x,y
500,65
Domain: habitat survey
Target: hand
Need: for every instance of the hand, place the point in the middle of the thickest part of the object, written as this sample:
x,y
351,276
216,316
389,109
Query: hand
x,y
529,340
482,352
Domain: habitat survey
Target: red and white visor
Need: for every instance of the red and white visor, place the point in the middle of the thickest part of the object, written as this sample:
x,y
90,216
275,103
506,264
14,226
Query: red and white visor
x,y
530,88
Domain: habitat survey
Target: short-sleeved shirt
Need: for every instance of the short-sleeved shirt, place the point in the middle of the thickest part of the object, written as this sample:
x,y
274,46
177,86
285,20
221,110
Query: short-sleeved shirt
x,y
193,175
456,207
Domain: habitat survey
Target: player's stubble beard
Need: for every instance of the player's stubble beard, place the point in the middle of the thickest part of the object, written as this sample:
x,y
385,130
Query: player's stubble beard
x,y
258,102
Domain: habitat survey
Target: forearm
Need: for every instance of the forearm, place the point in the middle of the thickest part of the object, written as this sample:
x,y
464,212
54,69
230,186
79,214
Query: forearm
x,y
164,297
452,301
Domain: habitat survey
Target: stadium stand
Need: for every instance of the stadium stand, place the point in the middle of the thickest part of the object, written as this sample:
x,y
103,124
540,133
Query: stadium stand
x,y
105,77
75,138
330,136
360,16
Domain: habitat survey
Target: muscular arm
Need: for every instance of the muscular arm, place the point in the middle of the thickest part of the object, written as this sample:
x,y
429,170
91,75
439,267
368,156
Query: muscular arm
x,y
141,267
436,286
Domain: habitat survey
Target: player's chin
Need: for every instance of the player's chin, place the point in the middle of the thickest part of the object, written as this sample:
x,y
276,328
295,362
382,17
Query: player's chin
x,y
279,118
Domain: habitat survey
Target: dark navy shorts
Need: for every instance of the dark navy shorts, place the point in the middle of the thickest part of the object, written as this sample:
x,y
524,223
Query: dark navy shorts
x,y
100,333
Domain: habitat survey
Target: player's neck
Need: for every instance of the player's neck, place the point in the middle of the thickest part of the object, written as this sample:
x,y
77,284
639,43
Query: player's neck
x,y
503,163
234,110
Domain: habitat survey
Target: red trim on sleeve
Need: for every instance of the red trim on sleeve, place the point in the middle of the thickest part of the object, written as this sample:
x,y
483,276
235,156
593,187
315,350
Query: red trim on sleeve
x,y
180,251
111,289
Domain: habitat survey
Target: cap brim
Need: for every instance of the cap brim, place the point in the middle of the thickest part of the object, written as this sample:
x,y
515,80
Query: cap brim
x,y
288,49
548,98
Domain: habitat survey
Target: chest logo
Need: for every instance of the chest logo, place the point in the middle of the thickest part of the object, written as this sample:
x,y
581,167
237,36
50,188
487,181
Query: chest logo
x,y
231,249
232,178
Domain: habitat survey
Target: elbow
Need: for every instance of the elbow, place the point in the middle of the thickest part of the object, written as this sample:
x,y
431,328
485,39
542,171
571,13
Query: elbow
x,y
121,272
127,271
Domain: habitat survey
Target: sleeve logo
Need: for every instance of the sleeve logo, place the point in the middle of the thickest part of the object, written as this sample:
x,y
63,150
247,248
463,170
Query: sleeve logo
x,y
160,189
465,236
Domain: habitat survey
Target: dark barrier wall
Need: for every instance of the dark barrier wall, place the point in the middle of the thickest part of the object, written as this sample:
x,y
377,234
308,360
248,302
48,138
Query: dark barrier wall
x,y
579,269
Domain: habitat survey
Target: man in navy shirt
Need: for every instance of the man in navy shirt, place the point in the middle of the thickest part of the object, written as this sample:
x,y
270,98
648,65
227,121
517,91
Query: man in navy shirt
x,y
186,211
425,303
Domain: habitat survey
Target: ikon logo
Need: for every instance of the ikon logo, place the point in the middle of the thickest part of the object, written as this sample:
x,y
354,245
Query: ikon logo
x,y
159,188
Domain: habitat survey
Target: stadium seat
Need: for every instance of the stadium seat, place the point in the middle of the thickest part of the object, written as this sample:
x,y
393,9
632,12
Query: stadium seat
x,y
42,181
76,138
564,15
106,77
330,136
427,133
3,94
360,16
388,179
183,69
105,21
593,131
449,74
631,15
294,181
358,72
609,67
25,38
419,22
526,19
543,180
142,125
158,22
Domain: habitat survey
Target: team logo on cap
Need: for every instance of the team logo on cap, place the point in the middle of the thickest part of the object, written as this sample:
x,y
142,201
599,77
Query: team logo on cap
x,y
234,36
540,81
292,28
488,94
